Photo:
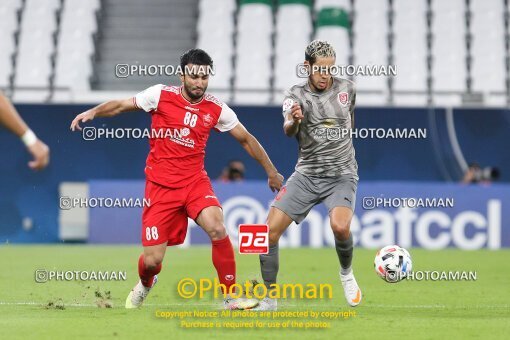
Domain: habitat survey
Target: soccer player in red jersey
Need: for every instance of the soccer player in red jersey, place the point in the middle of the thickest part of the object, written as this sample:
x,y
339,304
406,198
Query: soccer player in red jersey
x,y
177,184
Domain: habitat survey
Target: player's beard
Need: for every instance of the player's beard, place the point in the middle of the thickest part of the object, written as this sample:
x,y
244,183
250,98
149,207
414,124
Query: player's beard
x,y
194,97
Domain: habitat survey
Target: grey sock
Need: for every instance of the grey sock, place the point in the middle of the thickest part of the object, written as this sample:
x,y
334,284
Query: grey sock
x,y
269,265
344,251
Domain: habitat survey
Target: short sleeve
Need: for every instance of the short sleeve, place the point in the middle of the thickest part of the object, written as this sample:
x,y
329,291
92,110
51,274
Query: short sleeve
x,y
148,99
228,119
289,100
353,97
353,104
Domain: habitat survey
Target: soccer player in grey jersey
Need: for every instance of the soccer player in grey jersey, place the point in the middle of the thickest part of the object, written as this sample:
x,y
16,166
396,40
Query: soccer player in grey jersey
x,y
318,112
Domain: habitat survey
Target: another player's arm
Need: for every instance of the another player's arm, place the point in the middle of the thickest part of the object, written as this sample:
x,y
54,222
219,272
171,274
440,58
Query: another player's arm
x,y
108,109
255,150
293,120
10,118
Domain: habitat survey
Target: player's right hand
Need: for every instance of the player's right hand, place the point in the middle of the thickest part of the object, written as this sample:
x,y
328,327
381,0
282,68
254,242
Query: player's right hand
x,y
82,117
275,181
41,154
296,112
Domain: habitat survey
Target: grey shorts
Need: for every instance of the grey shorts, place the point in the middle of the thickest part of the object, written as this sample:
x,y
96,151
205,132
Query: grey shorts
x,y
301,193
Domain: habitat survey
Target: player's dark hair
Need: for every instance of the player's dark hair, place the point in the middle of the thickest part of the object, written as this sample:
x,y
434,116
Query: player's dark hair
x,y
196,56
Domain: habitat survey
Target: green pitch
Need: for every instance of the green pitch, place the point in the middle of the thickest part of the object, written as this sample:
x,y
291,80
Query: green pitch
x,y
95,309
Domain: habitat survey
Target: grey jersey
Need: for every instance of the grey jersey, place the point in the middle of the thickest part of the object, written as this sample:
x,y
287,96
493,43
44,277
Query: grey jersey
x,y
324,151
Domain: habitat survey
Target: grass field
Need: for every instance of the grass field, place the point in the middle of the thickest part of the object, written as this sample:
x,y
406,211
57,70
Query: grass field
x,y
414,309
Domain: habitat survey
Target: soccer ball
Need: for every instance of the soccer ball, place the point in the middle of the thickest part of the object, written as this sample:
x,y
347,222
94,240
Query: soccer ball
x,y
393,263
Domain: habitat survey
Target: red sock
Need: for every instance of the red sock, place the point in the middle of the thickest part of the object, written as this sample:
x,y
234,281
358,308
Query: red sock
x,y
224,262
147,275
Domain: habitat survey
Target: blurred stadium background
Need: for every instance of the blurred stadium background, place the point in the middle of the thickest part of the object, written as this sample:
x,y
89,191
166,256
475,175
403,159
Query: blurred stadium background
x,y
448,53
59,57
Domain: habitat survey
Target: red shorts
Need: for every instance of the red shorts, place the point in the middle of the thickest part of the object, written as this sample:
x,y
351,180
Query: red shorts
x,y
166,219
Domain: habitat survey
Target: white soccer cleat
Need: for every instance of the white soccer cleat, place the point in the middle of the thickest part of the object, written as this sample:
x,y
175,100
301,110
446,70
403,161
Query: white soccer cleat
x,y
138,294
267,304
351,289
240,303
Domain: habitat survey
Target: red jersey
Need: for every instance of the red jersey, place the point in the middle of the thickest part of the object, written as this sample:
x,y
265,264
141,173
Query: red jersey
x,y
180,132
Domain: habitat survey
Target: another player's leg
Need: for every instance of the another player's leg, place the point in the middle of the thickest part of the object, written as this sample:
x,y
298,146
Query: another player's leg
x,y
278,222
340,223
211,220
149,265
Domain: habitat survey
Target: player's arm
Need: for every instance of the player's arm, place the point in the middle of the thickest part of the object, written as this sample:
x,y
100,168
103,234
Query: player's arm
x,y
108,109
146,100
292,120
10,118
255,150
351,108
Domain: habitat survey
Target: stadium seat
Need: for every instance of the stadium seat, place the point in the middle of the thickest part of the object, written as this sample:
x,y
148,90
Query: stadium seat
x,y
495,100
446,99
215,30
371,47
253,67
333,25
255,14
488,46
216,15
449,46
30,96
212,9
76,44
252,79
293,33
320,4
33,67
410,99
410,45
8,26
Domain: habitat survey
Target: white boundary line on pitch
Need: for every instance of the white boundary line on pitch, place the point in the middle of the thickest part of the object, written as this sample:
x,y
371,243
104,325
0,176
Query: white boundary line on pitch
x,y
42,304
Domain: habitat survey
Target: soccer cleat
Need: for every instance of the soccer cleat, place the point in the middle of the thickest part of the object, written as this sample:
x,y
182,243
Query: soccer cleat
x,y
138,294
351,289
267,304
240,304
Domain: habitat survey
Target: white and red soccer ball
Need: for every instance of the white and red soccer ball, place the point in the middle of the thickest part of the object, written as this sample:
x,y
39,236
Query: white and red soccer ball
x,y
393,263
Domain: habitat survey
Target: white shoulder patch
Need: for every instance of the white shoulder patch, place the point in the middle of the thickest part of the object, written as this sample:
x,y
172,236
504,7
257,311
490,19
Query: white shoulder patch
x,y
287,104
174,89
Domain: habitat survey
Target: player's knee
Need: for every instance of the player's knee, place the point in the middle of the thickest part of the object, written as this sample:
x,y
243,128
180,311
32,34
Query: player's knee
x,y
217,231
274,237
341,229
153,261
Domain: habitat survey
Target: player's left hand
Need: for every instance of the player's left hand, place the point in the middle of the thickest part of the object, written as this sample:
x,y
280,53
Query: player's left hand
x,y
275,181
